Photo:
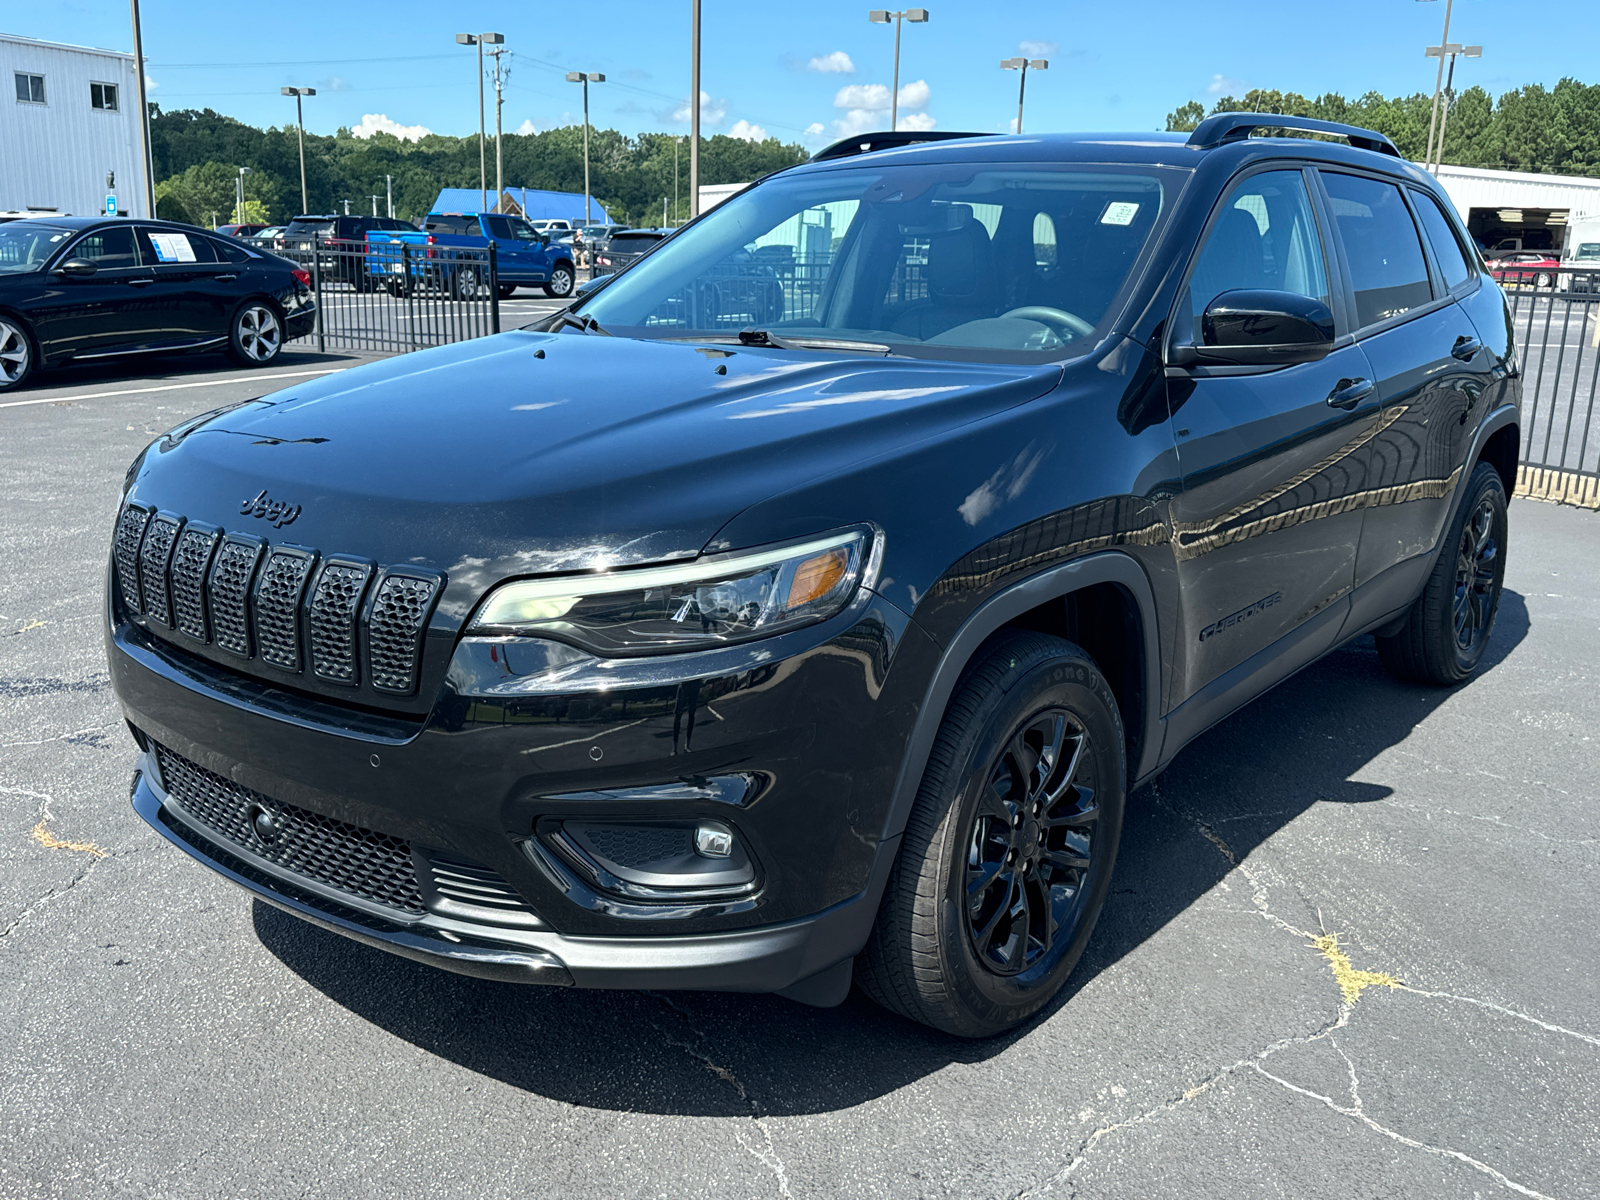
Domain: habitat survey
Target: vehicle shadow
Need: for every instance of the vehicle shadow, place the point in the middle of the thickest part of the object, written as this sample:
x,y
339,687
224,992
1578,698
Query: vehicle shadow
x,y
716,1054
157,369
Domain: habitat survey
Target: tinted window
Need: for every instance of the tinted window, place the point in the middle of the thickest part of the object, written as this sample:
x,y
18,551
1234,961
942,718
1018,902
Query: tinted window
x,y
164,247
1264,238
1387,269
108,248
1453,262
499,227
632,243
231,251
450,223
309,227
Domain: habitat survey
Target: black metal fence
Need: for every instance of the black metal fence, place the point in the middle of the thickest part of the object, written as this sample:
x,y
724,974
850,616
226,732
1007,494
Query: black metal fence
x,y
1556,312
398,296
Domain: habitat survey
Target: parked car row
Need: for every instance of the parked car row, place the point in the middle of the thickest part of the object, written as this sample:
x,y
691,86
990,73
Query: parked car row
x,y
444,254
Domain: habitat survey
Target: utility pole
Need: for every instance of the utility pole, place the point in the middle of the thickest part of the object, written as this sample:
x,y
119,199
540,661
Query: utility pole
x,y
300,123
239,185
480,40
500,76
694,109
1452,49
347,208
677,204
585,78
1024,65
1438,83
144,114
882,16
374,203
388,189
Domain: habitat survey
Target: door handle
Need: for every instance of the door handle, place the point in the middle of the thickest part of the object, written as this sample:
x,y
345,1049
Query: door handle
x,y
140,282
1466,348
226,278
1350,392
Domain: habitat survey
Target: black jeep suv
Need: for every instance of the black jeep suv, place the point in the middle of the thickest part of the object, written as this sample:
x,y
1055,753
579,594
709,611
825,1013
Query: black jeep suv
x,y
665,648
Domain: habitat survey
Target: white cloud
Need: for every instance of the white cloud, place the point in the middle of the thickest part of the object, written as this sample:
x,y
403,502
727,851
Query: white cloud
x,y
150,85
915,95
917,122
1038,49
712,112
874,97
526,128
1221,85
373,123
815,129
837,63
745,131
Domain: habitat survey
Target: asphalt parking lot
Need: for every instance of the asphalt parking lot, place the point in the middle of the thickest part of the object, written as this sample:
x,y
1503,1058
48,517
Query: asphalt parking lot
x,y
1350,953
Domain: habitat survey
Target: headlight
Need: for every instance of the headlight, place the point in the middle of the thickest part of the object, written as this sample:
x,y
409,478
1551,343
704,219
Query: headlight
x,y
694,606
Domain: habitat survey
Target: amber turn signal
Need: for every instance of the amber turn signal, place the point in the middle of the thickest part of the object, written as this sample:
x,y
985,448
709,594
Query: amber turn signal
x,y
818,576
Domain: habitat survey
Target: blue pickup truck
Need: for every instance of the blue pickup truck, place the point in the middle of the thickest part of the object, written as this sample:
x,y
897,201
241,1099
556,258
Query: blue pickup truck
x,y
450,252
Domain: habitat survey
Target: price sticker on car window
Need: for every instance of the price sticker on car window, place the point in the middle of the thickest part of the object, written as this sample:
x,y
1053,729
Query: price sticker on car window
x,y
172,247
1119,212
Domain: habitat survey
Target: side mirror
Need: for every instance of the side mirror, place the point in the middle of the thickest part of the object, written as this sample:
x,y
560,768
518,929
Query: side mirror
x,y
77,268
1264,328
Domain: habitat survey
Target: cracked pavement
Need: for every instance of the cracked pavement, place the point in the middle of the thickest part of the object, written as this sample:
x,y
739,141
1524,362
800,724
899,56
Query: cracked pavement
x,y
165,1036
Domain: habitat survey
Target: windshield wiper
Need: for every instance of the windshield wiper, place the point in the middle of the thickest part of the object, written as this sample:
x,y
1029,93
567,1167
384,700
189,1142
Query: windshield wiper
x,y
581,321
765,337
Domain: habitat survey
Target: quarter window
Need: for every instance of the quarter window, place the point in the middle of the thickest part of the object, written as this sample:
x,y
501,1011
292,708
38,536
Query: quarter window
x,y
1265,239
103,96
30,88
1453,262
1387,269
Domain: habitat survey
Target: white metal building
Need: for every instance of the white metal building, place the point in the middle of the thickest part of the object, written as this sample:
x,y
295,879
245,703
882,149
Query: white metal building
x,y
68,116
1518,204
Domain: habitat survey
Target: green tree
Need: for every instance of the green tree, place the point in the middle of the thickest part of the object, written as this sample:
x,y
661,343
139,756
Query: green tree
x,y
1186,117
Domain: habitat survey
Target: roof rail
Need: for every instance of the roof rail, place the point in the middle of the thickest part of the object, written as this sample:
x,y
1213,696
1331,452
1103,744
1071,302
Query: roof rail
x,y
866,143
1227,127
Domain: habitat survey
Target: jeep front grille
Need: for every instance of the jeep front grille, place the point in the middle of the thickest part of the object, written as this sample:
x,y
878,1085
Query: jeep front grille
x,y
338,620
361,862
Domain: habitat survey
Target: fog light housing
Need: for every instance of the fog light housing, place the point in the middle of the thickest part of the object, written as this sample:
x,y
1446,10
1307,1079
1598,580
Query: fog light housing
x,y
712,840
654,860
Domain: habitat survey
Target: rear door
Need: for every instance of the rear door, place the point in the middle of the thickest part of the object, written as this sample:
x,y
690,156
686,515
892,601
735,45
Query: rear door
x,y
190,296
511,257
1268,520
1429,365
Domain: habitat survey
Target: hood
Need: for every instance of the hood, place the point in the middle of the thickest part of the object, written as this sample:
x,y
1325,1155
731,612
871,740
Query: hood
x,y
527,452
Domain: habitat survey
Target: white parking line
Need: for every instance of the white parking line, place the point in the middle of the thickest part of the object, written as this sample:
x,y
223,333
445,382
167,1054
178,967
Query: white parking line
x,y
173,387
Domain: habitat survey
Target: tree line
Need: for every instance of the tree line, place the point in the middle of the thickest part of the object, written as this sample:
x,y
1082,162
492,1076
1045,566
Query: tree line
x,y
1547,130
197,155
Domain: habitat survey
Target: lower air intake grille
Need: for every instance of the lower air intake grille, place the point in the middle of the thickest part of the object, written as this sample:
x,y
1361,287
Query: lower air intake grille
x,y
636,846
470,883
230,592
361,862
130,533
190,559
399,614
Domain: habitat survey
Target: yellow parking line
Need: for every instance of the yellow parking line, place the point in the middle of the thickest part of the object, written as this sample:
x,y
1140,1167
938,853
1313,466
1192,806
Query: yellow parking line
x,y
172,387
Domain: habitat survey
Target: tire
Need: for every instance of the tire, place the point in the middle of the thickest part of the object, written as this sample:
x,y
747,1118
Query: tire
x,y
507,290
468,283
561,282
17,358
1542,281
255,334
1447,628
975,969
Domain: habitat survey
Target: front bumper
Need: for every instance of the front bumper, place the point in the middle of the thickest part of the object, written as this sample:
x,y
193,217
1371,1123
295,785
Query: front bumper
x,y
818,720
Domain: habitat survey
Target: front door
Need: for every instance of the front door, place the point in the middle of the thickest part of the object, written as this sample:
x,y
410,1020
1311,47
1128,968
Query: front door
x,y
104,313
1268,521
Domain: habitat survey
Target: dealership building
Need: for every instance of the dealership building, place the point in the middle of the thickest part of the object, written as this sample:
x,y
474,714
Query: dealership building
x,y
69,120
1516,204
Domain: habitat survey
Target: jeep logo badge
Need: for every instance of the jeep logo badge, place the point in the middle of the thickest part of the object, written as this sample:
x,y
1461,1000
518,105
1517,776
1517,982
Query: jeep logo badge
x,y
276,511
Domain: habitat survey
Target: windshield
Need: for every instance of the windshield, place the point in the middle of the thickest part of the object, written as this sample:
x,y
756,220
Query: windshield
x,y
1588,252
25,245
1017,259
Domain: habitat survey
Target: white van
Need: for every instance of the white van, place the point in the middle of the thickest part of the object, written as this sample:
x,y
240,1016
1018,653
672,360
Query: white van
x,y
1582,251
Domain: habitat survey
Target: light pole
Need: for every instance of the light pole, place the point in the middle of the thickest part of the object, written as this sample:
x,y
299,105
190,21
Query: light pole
x,y
238,218
677,209
1023,65
500,76
585,78
300,123
388,190
694,109
1438,83
144,114
480,40
882,16
1452,49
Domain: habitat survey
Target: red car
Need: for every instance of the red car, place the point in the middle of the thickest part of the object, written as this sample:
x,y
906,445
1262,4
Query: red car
x,y
1526,266
239,231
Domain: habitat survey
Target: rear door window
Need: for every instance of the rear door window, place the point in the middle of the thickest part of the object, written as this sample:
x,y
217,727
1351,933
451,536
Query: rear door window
x,y
166,247
451,223
1381,244
1452,259
499,227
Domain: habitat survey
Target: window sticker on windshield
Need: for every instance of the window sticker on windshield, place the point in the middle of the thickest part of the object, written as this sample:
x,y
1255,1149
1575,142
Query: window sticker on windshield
x,y
1119,212
172,247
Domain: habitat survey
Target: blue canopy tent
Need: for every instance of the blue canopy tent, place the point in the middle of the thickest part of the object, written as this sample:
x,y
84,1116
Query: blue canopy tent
x,y
533,203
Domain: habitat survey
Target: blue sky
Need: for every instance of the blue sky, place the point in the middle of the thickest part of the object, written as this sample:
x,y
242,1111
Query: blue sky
x,y
811,72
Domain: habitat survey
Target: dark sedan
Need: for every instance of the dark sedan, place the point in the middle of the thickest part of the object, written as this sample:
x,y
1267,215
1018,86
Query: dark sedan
x,y
78,288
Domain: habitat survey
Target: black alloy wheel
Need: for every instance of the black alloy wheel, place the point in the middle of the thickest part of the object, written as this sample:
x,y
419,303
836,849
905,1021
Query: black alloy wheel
x,y
1446,631
561,281
255,335
1007,856
16,355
